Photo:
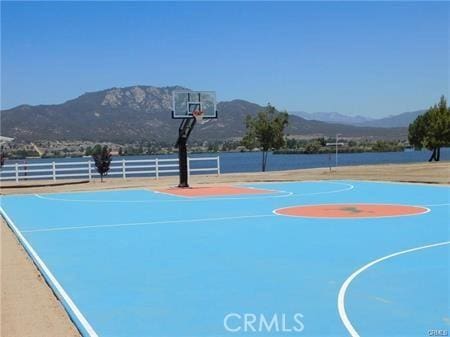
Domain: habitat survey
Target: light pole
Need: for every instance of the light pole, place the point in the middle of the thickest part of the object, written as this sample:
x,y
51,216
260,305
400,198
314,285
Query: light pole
x,y
337,136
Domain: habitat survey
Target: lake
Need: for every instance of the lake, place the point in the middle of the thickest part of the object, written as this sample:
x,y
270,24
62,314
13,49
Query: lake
x,y
232,162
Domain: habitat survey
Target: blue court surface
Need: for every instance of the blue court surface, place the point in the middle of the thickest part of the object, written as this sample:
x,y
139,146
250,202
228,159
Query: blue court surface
x,y
135,262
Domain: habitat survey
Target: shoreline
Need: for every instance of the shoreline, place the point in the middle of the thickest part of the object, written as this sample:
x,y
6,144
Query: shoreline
x,y
426,173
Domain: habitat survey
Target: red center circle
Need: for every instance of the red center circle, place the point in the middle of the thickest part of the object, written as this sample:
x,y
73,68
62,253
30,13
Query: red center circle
x,y
351,210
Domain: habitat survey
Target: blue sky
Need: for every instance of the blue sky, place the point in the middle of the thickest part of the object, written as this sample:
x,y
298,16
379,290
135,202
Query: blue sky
x,y
368,58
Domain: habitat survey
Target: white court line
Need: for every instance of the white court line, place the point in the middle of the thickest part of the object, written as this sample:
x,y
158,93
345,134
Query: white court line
x,y
217,197
183,199
349,187
169,194
341,296
40,196
288,194
426,210
50,277
293,181
54,229
82,191
400,183
436,205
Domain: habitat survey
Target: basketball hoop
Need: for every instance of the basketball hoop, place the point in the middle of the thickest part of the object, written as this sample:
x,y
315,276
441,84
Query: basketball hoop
x,y
198,115
187,105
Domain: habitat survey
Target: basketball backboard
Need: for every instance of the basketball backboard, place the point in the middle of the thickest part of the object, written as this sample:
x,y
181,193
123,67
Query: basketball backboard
x,y
186,102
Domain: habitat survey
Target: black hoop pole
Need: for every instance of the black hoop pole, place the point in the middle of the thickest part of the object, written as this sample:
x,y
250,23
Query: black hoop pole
x,y
184,131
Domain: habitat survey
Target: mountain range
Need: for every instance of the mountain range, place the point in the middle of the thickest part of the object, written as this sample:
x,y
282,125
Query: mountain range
x,y
136,113
399,120
332,117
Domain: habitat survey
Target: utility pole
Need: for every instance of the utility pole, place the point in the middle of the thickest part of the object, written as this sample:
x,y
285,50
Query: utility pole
x,y
337,143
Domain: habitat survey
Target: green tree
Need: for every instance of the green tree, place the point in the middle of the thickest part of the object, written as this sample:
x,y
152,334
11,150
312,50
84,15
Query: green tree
x,y
265,131
352,143
322,141
313,147
88,151
291,143
102,158
432,129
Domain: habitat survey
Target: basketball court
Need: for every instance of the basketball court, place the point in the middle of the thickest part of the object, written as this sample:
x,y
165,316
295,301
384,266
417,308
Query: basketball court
x,y
353,258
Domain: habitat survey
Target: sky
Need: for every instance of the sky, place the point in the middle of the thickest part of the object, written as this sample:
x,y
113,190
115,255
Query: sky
x,y
368,58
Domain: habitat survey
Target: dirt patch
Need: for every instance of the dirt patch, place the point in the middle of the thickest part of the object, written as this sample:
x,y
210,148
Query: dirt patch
x,y
28,308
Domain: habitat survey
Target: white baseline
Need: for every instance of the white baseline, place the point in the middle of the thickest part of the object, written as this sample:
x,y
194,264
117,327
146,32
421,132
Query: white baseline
x,y
52,279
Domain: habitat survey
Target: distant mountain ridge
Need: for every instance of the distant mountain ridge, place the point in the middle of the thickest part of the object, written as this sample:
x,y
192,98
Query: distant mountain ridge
x,y
138,113
400,120
332,117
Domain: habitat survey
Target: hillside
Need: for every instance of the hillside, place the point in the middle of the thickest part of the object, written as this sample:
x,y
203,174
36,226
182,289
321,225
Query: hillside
x,y
143,113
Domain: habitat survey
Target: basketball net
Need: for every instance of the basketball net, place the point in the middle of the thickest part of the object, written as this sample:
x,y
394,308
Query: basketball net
x,y
198,115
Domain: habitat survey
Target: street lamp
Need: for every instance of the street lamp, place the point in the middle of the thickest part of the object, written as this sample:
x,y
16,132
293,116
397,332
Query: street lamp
x,y
336,144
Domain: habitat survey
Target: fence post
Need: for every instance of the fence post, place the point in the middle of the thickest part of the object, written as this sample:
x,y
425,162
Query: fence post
x,y
189,167
218,165
90,170
124,174
156,169
17,172
54,170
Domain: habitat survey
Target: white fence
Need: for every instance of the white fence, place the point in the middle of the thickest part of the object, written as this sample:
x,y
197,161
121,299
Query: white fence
x,y
119,168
